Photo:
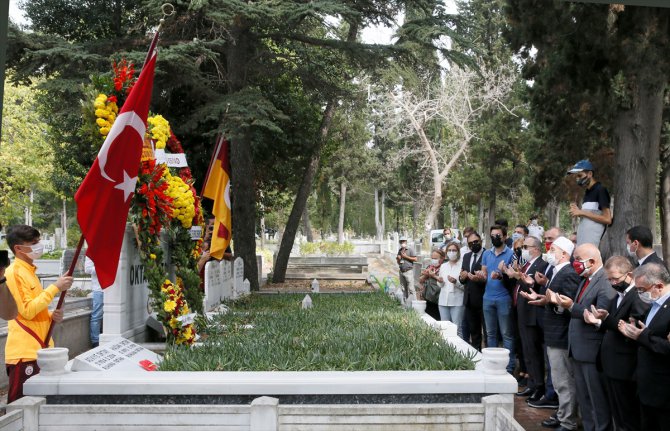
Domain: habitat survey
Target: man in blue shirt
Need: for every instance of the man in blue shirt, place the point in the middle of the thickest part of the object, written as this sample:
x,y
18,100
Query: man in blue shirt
x,y
497,299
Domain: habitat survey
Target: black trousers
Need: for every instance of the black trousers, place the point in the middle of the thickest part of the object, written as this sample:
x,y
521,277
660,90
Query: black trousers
x,y
475,318
654,418
624,404
432,310
518,347
532,339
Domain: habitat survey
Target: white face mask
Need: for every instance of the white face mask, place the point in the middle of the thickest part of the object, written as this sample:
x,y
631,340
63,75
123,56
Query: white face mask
x,y
435,262
631,252
646,296
534,221
452,255
37,250
551,259
525,255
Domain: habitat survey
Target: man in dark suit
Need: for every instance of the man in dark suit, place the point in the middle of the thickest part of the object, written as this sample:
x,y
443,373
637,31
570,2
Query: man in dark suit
x,y
564,282
640,245
652,282
618,354
529,316
584,339
474,290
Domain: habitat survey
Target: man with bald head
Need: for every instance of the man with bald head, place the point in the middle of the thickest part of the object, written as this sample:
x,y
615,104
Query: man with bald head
x,y
584,340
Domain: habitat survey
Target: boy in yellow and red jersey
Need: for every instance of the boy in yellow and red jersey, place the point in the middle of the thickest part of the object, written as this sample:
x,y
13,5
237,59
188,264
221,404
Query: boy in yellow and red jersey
x,y
26,334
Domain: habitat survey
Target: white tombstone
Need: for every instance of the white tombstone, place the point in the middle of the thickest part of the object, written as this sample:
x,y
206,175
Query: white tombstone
x,y
307,302
118,355
315,286
126,307
238,276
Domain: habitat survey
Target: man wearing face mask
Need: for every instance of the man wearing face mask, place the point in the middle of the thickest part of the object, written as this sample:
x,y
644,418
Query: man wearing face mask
x,y
26,334
556,324
497,299
640,245
529,317
652,282
618,354
584,339
534,229
474,290
595,211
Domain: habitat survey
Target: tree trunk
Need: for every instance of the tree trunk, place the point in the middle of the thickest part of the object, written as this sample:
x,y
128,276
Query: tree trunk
x,y
480,216
636,135
241,161
378,217
340,223
279,274
383,215
29,209
307,226
492,212
63,224
415,217
664,195
435,205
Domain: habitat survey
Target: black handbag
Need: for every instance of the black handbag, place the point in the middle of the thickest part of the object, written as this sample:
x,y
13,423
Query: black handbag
x,y
431,290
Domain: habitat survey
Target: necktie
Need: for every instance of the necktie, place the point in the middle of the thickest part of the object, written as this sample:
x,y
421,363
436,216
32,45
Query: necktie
x,y
518,285
581,292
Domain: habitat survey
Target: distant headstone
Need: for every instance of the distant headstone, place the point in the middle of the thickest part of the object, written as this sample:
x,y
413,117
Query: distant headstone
x,y
66,261
119,355
315,286
307,302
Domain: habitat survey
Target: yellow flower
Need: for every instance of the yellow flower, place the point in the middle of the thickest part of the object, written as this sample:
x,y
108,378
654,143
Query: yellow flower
x,y
169,306
152,256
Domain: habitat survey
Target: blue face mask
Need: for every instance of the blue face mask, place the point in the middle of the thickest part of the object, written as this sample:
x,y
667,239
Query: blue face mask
x,y
516,235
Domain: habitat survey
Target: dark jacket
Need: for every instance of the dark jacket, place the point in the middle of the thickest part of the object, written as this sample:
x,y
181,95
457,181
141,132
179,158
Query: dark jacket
x,y
653,258
557,322
530,315
474,290
618,354
584,339
653,357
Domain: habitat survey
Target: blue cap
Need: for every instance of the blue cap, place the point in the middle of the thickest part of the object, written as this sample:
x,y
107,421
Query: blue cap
x,y
582,165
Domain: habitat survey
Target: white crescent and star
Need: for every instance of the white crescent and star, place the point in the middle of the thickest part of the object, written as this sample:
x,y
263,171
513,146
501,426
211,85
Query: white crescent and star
x,y
128,118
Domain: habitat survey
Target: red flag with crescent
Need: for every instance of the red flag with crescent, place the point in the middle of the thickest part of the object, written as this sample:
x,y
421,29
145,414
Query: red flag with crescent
x,y
103,199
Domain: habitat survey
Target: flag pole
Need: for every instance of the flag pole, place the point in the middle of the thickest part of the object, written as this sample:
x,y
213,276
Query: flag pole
x,y
168,10
69,273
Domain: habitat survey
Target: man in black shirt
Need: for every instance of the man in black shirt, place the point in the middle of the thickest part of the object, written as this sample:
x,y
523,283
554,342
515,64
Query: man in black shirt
x,y
595,212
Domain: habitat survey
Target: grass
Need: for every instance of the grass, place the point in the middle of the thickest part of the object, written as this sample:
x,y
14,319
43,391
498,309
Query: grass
x,y
362,332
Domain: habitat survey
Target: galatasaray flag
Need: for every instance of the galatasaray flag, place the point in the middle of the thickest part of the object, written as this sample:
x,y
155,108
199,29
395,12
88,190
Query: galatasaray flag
x,y
217,188
103,199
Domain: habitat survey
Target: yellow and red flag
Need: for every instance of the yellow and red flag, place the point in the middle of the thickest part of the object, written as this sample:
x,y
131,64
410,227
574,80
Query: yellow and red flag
x,y
217,188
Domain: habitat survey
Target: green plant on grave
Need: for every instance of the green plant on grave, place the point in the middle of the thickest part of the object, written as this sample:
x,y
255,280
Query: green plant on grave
x,y
365,332
186,266
385,283
327,248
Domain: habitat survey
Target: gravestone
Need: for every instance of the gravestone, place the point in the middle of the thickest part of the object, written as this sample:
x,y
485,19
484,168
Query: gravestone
x,y
66,261
238,277
119,354
126,303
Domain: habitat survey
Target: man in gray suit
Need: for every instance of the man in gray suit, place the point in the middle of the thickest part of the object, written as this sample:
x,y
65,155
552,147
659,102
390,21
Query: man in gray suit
x,y
584,339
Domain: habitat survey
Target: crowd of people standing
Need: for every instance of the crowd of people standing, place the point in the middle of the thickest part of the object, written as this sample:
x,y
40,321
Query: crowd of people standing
x,y
586,337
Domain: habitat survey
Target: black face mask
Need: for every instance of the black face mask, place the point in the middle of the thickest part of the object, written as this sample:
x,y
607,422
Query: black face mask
x,y
517,252
583,181
476,248
496,241
621,286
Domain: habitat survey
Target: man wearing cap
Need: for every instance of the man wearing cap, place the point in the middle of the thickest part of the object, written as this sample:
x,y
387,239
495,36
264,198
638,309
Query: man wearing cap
x,y
406,258
564,282
595,211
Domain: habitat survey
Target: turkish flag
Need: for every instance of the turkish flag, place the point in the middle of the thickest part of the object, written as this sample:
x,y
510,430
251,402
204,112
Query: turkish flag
x,y
103,199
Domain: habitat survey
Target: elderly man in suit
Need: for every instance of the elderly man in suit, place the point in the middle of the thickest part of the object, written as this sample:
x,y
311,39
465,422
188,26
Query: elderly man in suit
x,y
563,283
528,316
584,339
618,354
640,245
652,282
